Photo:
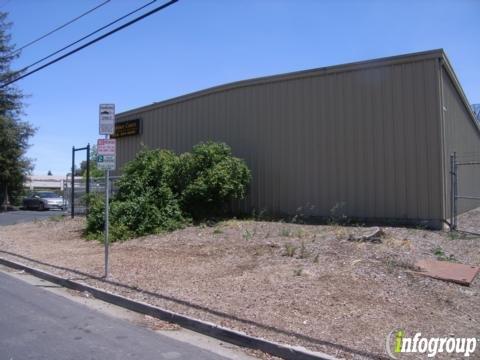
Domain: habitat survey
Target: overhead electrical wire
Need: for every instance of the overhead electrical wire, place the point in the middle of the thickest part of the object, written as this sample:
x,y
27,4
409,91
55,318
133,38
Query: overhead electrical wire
x,y
60,27
131,22
87,36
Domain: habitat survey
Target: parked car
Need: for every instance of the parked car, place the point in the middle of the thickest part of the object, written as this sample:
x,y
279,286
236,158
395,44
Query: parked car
x,y
44,200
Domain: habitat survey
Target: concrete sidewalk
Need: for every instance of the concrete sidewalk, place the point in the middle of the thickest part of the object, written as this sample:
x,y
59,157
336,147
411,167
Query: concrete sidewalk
x,y
39,324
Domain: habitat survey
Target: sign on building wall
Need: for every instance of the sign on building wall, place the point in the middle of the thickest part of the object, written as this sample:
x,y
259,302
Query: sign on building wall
x,y
127,128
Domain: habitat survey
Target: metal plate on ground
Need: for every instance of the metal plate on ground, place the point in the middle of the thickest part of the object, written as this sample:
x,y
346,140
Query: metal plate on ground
x,y
448,271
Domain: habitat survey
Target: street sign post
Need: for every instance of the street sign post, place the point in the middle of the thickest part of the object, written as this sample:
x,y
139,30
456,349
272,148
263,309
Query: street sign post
x,y
106,151
107,119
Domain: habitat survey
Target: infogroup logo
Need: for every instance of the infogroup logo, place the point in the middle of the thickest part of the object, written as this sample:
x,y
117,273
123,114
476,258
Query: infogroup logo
x,y
398,343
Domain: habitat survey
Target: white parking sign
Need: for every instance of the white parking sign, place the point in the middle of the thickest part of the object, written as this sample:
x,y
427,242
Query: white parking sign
x,y
106,154
107,119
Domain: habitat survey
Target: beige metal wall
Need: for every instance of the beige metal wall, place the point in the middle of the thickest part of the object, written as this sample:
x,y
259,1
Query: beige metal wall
x,y
367,136
462,135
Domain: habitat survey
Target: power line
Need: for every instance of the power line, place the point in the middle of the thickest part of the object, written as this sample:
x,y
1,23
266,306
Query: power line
x,y
87,36
60,27
131,22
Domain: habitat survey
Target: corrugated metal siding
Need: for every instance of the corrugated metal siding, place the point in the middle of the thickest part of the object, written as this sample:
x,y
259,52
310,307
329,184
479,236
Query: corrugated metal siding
x,y
463,137
364,137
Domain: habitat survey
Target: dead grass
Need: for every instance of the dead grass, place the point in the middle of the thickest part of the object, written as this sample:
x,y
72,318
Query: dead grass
x,y
328,294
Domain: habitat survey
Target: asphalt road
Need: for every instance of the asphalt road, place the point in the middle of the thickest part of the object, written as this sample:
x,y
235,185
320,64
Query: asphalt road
x,y
21,216
37,324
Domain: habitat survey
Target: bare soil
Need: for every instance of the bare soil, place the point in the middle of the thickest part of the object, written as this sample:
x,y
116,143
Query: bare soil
x,y
304,285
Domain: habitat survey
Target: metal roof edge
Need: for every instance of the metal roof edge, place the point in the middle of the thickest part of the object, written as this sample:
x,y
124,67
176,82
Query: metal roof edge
x,y
364,64
456,83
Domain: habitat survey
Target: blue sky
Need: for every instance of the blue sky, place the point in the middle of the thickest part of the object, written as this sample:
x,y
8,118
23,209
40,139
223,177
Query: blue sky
x,y
196,44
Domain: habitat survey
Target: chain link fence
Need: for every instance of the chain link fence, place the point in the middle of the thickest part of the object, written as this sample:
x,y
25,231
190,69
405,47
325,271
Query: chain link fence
x,y
464,191
97,185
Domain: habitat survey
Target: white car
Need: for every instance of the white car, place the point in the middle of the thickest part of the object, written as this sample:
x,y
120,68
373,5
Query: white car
x,y
44,200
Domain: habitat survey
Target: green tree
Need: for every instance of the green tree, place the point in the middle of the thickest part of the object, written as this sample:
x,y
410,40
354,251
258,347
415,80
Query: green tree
x,y
14,133
95,172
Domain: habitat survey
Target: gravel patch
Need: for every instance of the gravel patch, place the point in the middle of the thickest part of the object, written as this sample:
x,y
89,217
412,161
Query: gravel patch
x,y
303,285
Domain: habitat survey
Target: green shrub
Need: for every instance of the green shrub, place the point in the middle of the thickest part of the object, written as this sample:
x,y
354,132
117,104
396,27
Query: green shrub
x,y
95,217
148,213
210,178
150,170
134,217
160,191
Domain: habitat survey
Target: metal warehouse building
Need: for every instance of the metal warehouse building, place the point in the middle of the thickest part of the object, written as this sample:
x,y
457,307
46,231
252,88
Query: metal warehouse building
x,y
373,137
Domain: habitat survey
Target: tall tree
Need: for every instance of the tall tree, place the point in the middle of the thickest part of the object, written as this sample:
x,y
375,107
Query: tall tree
x,y
14,133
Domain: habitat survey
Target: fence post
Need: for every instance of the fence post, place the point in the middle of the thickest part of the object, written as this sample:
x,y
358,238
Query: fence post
x,y
452,194
455,190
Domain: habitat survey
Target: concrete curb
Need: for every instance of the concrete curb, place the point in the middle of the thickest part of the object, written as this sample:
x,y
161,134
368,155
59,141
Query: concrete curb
x,y
228,335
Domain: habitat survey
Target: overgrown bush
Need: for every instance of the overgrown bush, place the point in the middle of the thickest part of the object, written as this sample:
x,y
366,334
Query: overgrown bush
x,y
161,191
150,171
95,218
148,213
209,177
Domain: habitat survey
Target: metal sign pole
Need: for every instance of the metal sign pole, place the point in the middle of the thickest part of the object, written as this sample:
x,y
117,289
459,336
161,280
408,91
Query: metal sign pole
x,y
72,190
107,193
106,152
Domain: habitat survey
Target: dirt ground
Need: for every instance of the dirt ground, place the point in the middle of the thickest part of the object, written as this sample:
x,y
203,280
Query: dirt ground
x,y
303,285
